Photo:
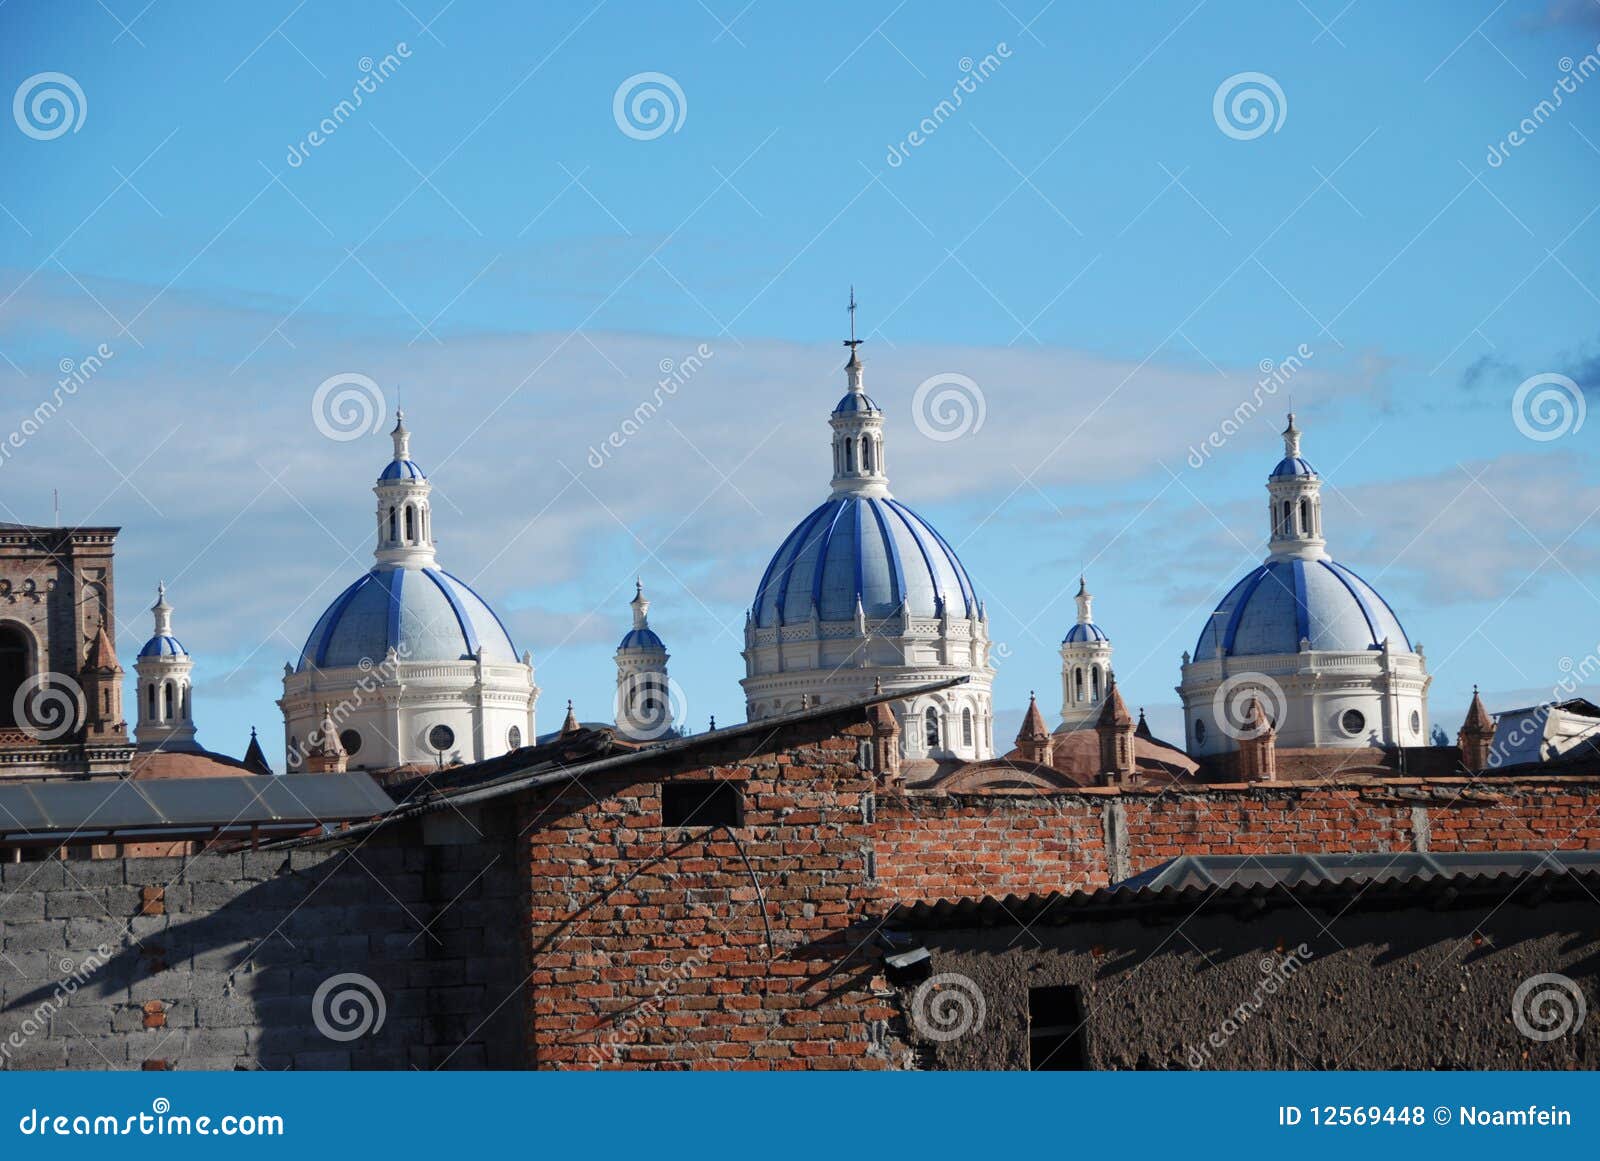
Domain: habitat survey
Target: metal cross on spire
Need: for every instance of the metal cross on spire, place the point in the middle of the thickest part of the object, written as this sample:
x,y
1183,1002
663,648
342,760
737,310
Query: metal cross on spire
x,y
852,342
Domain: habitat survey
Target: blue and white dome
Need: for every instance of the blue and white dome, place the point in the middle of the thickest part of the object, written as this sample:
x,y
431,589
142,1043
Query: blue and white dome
x,y
1080,634
424,614
1292,466
402,470
871,549
641,639
163,646
1283,602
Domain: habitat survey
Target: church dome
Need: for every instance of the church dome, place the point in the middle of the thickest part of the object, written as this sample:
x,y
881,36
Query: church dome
x,y
402,470
163,646
1282,602
1084,633
1292,466
641,639
867,549
424,614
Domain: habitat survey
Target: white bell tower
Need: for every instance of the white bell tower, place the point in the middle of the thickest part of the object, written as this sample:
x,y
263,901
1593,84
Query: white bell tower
x,y
166,718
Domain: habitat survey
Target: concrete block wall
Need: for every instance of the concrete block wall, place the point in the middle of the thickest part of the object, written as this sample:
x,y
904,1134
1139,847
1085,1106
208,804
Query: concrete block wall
x,y
215,962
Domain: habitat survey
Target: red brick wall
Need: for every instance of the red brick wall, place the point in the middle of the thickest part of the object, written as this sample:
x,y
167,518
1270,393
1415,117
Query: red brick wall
x,y
972,845
648,946
968,846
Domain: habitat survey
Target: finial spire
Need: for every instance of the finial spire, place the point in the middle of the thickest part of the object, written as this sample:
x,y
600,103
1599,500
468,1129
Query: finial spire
x,y
641,606
1291,439
162,611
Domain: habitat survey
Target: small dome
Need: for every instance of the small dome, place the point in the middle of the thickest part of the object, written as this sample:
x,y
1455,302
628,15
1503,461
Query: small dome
x,y
1082,633
856,401
163,646
424,613
402,470
1292,466
871,549
641,639
1283,602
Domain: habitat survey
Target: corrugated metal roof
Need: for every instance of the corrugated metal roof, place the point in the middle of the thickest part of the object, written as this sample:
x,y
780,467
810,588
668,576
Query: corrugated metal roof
x,y
35,808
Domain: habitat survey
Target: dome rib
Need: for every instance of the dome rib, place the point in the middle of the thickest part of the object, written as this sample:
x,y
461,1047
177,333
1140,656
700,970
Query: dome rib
x,y
462,620
969,595
330,621
897,572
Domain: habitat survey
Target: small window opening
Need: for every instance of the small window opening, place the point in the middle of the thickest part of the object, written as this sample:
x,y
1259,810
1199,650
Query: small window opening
x,y
1056,1030
701,804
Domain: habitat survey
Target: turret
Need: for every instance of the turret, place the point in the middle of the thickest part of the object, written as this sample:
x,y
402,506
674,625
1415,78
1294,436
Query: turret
x,y
164,668
1085,665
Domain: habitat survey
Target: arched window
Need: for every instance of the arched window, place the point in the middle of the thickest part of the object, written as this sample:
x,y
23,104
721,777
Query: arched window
x,y
166,701
411,524
966,727
849,455
1096,675
150,701
1305,515
394,526
930,728
1077,684
13,670
185,697
867,457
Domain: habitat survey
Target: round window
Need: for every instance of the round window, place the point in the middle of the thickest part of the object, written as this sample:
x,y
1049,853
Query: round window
x,y
441,737
1199,731
1352,721
1416,722
514,738
351,741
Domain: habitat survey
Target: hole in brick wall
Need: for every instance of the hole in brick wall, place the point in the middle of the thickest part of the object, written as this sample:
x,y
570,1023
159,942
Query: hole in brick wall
x,y
701,804
1057,1040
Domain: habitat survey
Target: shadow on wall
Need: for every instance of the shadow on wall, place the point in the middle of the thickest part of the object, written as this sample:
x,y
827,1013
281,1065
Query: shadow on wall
x,y
377,957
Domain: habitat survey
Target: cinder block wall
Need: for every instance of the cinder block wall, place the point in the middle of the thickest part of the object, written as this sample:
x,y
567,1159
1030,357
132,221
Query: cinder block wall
x,y
215,962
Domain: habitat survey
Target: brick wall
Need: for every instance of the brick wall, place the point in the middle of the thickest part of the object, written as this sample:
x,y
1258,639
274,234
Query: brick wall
x,y
213,962
968,845
648,944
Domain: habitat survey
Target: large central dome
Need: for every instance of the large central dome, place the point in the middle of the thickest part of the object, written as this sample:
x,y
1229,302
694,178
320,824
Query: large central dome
x,y
423,614
864,596
862,550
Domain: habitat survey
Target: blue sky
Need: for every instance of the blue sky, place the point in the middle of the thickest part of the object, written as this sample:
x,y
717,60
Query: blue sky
x,y
1080,238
